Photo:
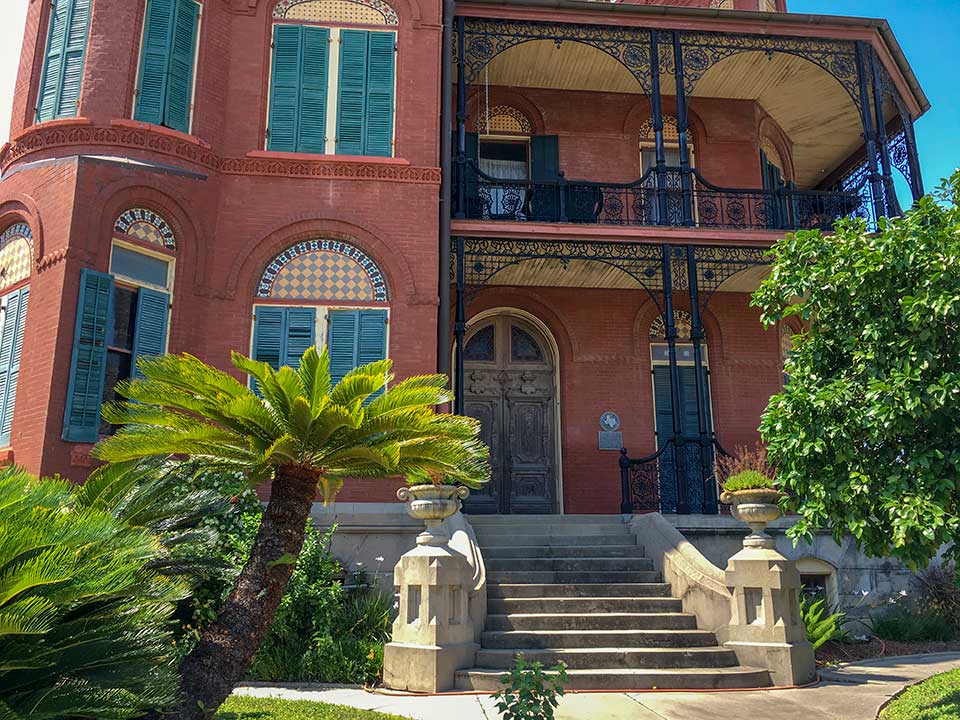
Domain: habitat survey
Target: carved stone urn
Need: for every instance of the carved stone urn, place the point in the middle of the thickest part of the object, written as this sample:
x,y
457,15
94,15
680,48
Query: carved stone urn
x,y
433,504
756,507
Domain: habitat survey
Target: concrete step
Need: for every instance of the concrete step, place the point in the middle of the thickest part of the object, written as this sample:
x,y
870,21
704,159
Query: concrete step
x,y
510,534
573,576
512,520
498,590
592,621
502,606
552,539
613,658
633,679
493,552
570,564
549,639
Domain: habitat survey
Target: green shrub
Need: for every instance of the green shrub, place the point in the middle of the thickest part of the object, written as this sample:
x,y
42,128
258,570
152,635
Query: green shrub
x,y
84,610
748,480
530,692
938,591
822,624
913,624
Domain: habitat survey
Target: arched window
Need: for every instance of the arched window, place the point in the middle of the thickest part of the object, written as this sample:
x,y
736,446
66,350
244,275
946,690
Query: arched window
x,y
338,101
122,315
16,259
818,579
59,92
321,292
503,152
168,54
671,140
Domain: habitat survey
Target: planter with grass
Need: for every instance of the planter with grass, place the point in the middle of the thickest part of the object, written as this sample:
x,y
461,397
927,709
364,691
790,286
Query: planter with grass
x,y
754,500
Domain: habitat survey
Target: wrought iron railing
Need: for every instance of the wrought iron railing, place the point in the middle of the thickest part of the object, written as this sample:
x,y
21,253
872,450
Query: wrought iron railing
x,y
484,197
678,477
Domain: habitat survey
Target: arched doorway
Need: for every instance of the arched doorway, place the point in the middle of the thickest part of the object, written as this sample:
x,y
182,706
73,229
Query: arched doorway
x,y
510,372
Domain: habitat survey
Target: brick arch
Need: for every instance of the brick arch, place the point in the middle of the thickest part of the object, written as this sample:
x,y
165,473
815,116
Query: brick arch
x,y
247,270
648,313
640,113
768,130
23,209
323,269
505,96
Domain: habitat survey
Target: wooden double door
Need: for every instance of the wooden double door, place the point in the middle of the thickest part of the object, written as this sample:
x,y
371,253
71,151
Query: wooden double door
x,y
509,386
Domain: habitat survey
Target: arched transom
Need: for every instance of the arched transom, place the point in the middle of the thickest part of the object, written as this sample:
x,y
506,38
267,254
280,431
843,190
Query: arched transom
x,y
318,270
16,254
353,12
147,226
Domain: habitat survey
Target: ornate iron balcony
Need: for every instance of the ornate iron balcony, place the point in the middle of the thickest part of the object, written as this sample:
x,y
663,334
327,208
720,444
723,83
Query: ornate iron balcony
x,y
641,203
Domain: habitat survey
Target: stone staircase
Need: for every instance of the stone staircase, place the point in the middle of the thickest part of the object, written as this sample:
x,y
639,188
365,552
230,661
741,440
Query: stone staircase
x,y
578,589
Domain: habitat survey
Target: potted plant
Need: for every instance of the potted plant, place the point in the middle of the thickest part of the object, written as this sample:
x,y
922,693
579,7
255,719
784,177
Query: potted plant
x,y
750,488
433,503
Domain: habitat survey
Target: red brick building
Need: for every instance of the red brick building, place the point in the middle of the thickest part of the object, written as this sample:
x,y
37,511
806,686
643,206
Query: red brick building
x,y
577,194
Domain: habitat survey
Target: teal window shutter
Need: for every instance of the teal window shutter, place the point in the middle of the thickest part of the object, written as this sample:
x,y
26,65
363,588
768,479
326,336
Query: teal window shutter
x,y
314,68
366,93
88,362
372,340
283,125
62,74
378,126
11,346
343,328
183,52
281,335
166,63
150,326
155,61
352,92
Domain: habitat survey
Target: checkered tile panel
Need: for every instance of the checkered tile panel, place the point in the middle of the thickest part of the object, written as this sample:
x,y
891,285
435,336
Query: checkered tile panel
x,y
146,232
15,257
322,276
147,226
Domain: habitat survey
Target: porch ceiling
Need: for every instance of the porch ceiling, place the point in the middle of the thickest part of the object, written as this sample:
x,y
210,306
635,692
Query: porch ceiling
x,y
812,108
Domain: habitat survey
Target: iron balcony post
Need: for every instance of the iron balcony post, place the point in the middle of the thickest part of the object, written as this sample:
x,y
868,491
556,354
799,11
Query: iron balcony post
x,y
461,121
696,337
683,505
656,109
460,328
890,193
686,183
626,502
913,157
876,187
562,188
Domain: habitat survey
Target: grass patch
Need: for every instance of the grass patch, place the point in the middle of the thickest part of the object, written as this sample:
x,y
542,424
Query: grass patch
x,y
240,707
936,698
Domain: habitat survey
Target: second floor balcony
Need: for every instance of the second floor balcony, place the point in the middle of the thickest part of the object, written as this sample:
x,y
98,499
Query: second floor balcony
x,y
570,120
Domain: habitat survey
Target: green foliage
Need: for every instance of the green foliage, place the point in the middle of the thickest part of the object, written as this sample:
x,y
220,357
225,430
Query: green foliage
x,y
84,608
938,591
530,692
748,480
184,406
865,435
936,698
240,707
912,624
822,625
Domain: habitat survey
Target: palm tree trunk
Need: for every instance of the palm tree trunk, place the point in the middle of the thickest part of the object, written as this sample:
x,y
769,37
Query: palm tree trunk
x,y
226,648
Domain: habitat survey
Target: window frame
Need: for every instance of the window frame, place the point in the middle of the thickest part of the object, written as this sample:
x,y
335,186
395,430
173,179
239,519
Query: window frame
x,y
333,82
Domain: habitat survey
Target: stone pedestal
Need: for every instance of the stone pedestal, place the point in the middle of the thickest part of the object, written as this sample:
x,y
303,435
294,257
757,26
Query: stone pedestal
x,y
433,636
766,630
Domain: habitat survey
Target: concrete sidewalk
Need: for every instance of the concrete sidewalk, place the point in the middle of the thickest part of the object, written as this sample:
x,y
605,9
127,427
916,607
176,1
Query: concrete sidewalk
x,y
849,692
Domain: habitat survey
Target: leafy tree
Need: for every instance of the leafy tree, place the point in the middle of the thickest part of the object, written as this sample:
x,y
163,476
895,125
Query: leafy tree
x,y
297,433
84,620
866,435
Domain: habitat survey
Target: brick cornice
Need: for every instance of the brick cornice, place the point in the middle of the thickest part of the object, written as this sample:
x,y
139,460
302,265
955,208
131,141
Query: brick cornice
x,y
126,136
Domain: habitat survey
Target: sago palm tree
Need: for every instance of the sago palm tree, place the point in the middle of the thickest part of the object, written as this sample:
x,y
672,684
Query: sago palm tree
x,y
297,433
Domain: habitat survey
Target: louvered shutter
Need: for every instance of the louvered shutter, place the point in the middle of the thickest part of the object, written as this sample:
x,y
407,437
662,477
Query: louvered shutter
x,y
342,335
11,346
150,326
299,334
285,88
662,403
268,335
183,51
351,100
62,74
372,338
378,125
313,90
155,61
545,168
88,361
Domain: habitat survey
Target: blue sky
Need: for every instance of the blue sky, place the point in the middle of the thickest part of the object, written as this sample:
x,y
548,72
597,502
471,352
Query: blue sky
x,y
929,33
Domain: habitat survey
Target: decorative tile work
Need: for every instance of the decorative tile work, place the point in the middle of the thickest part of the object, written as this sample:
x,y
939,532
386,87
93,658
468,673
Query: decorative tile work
x,y
683,321
16,254
670,132
773,155
503,118
323,270
361,12
145,225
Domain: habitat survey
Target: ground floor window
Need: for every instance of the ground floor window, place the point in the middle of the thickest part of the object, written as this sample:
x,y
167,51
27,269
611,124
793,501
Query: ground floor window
x,y
13,318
